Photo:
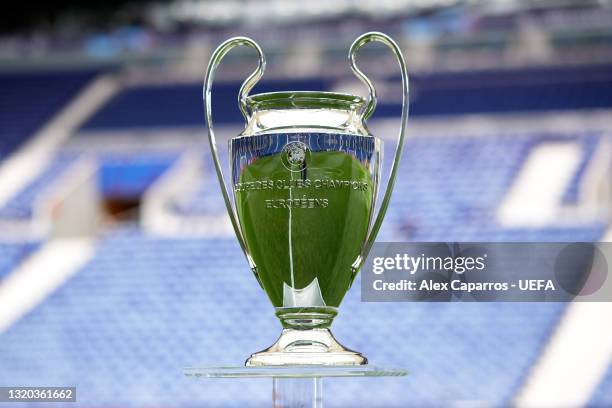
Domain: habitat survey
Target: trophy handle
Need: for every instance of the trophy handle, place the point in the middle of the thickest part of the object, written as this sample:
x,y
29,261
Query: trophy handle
x,y
246,87
368,110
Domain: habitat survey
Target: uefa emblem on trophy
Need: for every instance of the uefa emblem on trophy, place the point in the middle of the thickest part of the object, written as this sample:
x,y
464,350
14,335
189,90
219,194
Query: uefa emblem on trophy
x,y
304,176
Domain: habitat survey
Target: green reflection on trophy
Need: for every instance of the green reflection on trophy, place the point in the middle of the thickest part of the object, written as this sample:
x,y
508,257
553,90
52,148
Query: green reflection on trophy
x,y
304,177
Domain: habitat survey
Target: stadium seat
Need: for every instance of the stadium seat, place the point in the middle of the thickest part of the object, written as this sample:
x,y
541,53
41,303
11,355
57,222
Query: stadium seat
x,y
124,326
28,100
21,206
180,105
129,175
455,93
13,253
602,396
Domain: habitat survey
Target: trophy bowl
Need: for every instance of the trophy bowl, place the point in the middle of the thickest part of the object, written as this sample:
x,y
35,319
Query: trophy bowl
x,y
304,178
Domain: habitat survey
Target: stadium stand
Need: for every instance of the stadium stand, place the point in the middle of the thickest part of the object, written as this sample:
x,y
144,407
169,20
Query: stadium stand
x,y
499,91
589,147
21,206
180,105
120,175
122,328
128,175
139,303
493,91
202,202
12,254
123,306
441,193
28,100
439,200
601,397
446,199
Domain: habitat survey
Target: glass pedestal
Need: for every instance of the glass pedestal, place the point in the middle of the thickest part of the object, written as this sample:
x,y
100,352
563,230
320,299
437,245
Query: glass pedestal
x,y
295,386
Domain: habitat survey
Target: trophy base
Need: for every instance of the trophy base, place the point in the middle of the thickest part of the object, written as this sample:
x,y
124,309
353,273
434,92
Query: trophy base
x,y
306,347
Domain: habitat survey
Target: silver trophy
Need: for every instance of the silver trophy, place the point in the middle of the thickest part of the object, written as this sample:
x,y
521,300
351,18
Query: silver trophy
x,y
304,179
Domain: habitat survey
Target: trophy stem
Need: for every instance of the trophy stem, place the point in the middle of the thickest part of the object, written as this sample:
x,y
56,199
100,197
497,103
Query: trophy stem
x,y
305,318
306,347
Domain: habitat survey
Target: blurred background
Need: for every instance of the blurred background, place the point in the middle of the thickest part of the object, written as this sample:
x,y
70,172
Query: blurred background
x,y
118,266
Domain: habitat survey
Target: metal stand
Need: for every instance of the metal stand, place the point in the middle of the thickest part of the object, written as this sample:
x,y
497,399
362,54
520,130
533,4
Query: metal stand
x,y
295,386
297,392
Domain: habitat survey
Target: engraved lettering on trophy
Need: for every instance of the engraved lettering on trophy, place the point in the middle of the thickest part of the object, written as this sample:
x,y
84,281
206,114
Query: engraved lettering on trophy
x,y
297,203
283,184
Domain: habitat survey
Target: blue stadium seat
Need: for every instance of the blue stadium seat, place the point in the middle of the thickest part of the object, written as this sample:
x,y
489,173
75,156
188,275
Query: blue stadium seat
x,y
124,326
589,148
28,100
21,206
516,90
129,175
206,200
602,397
13,253
181,105
120,175
436,197
452,188
455,93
